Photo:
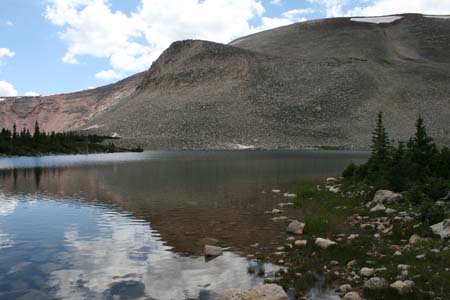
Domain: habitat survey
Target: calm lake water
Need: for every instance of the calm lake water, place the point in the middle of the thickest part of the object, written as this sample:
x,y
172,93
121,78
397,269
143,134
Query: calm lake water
x,y
133,226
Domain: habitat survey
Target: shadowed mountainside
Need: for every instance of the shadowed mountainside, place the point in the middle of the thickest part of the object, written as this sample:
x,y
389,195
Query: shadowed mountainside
x,y
316,83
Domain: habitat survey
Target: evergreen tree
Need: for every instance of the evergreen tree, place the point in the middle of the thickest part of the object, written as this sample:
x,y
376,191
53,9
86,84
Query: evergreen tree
x,y
37,131
14,131
380,143
377,166
422,152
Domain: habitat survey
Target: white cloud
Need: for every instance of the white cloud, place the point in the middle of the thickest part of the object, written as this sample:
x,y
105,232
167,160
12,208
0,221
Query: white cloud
x,y
108,75
9,23
269,23
388,7
132,42
32,94
295,14
7,89
332,8
5,52
276,2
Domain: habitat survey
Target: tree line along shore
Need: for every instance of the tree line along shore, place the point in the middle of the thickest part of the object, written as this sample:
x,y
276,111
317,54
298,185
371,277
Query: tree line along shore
x,y
39,142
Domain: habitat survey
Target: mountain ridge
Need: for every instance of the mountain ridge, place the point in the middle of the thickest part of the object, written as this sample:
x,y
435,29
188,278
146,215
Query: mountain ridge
x,y
311,84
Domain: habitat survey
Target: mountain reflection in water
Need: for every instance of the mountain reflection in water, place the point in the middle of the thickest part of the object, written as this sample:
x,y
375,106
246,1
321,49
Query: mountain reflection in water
x,y
133,226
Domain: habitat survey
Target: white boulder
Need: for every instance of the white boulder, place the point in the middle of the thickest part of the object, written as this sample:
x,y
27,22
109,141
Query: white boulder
x,y
324,243
386,197
296,227
352,296
212,251
403,287
376,283
300,243
442,229
367,272
378,207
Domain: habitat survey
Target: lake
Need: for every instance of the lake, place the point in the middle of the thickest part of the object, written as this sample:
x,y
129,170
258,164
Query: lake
x,y
133,225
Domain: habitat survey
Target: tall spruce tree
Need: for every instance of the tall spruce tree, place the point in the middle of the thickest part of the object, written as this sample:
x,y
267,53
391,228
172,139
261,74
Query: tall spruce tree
x,y
37,131
380,146
422,151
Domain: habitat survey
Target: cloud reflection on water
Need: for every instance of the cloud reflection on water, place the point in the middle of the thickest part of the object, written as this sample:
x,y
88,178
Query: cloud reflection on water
x,y
128,250
7,207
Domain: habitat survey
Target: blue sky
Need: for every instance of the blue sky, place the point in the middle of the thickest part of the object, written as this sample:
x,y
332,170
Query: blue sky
x,y
55,46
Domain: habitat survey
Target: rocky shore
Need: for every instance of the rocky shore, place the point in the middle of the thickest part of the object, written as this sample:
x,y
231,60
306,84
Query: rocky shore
x,y
371,245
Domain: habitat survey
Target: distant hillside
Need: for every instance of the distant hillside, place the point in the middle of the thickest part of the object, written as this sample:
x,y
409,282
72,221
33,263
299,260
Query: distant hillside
x,y
317,83
64,111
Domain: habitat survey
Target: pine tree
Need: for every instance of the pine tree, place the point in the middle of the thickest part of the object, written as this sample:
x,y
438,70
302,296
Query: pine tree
x,y
37,131
14,131
380,145
422,151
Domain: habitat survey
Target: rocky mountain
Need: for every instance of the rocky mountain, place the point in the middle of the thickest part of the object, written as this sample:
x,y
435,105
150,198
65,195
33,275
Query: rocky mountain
x,y
316,83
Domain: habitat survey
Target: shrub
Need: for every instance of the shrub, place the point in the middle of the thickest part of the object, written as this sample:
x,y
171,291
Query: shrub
x,y
416,195
350,170
431,214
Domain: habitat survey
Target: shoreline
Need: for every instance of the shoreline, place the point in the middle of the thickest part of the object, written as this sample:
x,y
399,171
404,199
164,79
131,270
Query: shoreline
x,y
369,251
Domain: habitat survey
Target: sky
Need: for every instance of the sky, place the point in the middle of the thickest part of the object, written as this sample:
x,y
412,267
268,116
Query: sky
x,y
56,46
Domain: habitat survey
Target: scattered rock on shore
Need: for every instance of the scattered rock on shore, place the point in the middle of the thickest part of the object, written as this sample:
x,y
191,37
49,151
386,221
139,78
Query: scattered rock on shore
x,y
296,227
324,243
345,288
414,239
212,251
367,272
378,207
386,197
289,195
263,292
352,296
279,219
403,287
442,229
300,243
376,283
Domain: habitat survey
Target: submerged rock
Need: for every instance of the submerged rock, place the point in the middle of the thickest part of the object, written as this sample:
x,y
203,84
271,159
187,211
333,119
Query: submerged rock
x,y
279,219
212,251
296,227
285,204
442,229
345,288
289,195
263,292
324,243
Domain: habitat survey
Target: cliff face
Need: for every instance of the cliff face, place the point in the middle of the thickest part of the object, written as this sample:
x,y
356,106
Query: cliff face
x,y
317,83
65,111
